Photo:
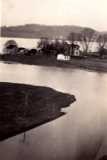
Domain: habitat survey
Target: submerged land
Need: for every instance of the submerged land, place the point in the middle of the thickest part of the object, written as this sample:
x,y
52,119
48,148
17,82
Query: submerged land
x,y
23,107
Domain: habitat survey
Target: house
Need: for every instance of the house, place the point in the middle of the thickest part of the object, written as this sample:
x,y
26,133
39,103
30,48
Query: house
x,y
62,57
74,50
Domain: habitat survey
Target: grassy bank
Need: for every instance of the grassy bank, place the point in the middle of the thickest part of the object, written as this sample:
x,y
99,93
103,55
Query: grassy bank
x,y
95,64
23,107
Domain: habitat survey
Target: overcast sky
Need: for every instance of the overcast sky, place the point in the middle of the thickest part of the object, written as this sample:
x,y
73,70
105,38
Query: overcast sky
x,y
90,13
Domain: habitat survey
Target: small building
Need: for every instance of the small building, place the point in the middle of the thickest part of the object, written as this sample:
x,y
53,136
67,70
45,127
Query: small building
x,y
62,57
74,50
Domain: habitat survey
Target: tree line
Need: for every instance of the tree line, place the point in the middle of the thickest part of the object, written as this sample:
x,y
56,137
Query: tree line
x,y
49,47
87,36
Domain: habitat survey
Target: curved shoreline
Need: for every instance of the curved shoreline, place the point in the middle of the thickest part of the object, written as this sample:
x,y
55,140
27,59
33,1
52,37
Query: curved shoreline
x,y
93,64
23,107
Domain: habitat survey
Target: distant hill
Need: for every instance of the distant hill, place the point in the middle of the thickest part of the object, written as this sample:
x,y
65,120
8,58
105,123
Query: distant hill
x,y
38,31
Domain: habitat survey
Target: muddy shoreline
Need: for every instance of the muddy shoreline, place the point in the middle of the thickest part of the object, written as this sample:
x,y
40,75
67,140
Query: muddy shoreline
x,y
23,107
93,64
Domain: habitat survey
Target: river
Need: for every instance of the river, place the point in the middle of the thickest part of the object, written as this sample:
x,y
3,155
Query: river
x,y
84,127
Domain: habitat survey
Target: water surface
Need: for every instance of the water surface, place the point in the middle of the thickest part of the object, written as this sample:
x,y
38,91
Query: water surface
x,y
84,127
32,43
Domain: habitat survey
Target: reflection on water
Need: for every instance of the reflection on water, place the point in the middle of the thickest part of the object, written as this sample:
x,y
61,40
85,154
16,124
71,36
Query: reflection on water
x,y
82,130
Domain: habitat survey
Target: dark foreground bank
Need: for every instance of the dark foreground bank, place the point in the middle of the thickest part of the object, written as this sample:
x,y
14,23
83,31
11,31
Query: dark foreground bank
x,y
89,63
23,107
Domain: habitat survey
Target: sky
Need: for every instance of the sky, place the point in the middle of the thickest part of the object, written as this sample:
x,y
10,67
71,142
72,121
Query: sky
x,y
90,13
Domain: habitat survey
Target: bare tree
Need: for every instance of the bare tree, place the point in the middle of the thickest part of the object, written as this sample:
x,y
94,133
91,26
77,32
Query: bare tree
x,y
10,47
87,36
72,37
102,40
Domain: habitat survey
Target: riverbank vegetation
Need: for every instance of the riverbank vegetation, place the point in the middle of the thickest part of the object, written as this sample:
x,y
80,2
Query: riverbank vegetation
x,y
61,52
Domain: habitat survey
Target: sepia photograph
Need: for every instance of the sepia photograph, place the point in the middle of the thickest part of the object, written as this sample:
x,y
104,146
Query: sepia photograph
x,y
53,80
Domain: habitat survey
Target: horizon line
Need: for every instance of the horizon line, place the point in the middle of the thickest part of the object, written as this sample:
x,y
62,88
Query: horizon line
x,y
56,25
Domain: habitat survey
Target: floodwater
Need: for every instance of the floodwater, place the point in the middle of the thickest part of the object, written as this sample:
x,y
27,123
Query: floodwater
x,y
21,42
32,43
81,134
